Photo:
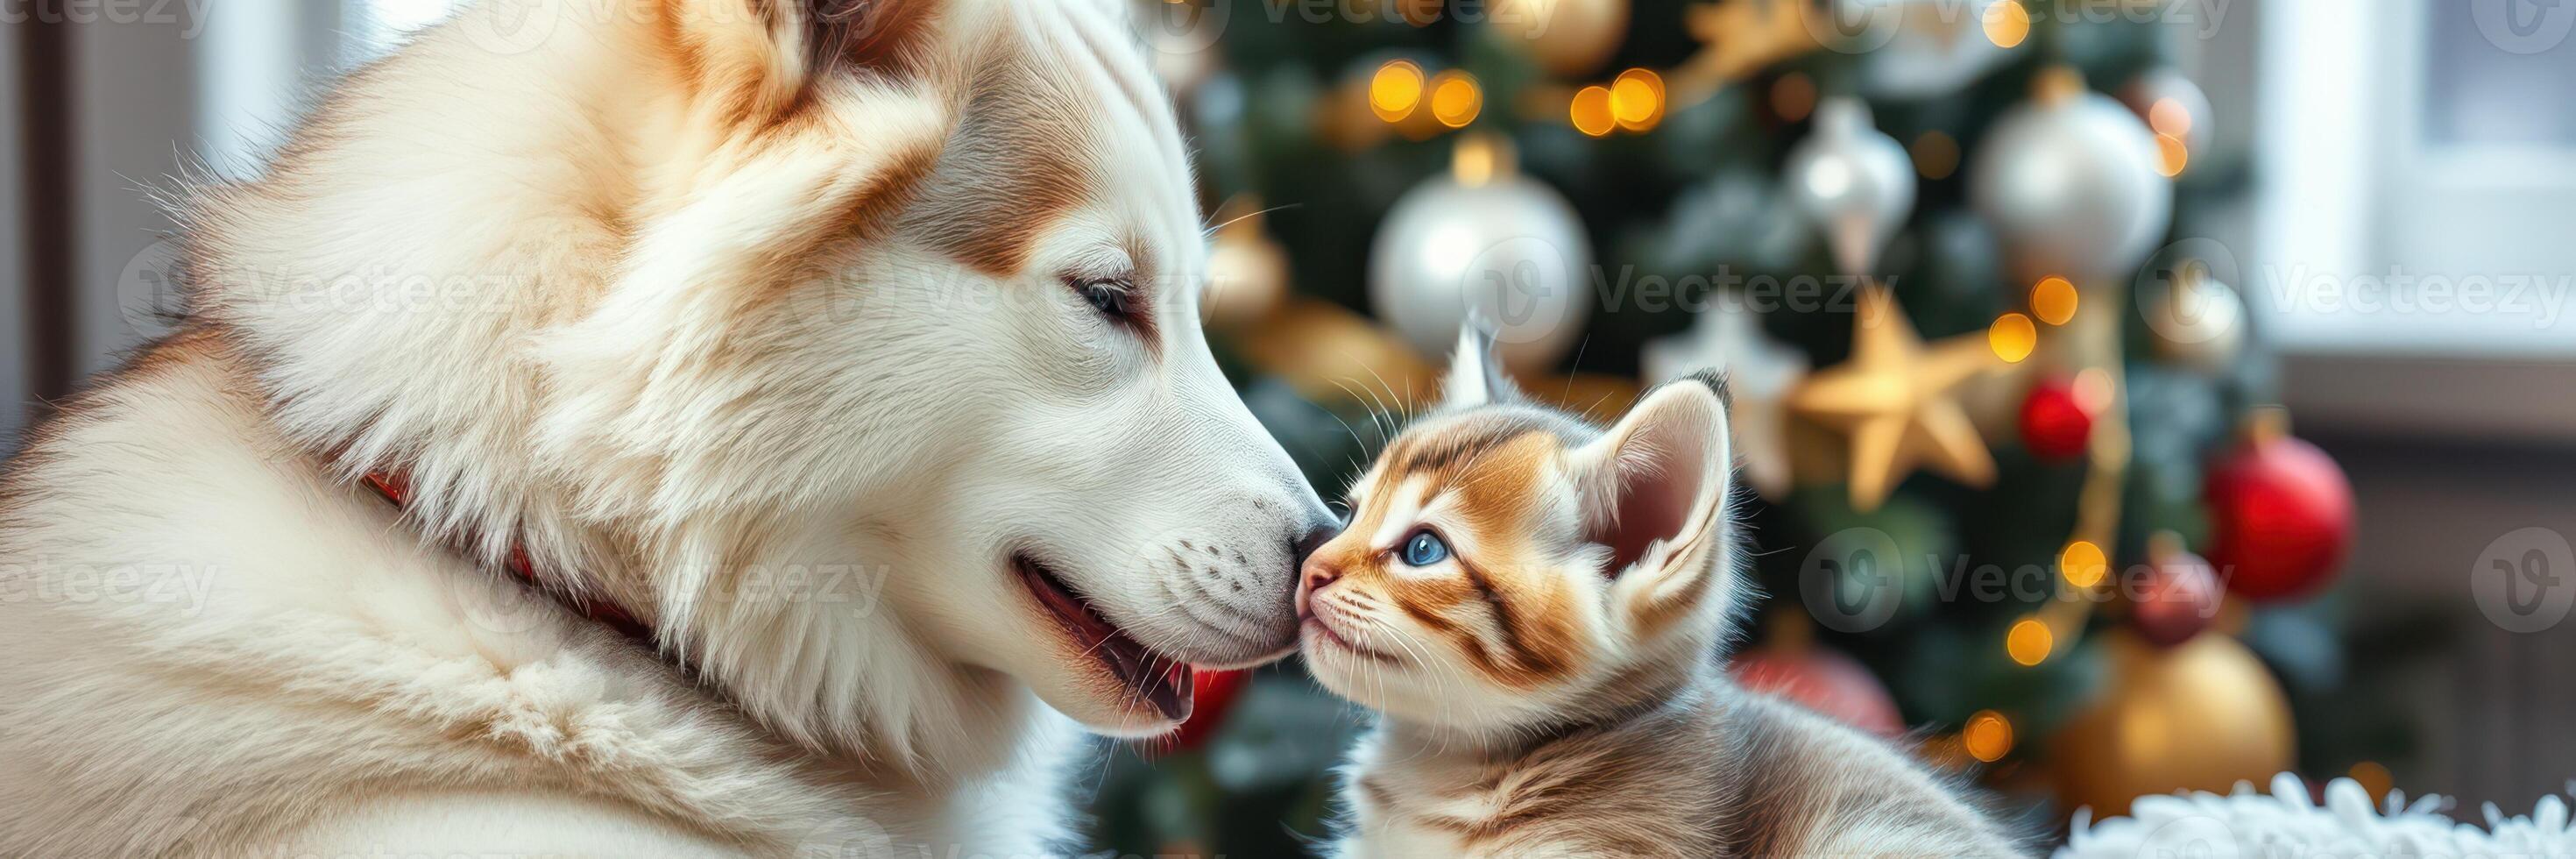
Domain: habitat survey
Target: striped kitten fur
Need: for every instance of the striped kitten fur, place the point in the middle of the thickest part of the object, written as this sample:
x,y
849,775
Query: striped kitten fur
x,y
1538,606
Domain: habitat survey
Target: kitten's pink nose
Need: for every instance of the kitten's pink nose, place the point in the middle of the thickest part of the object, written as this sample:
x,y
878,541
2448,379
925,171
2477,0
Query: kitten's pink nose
x,y
1317,575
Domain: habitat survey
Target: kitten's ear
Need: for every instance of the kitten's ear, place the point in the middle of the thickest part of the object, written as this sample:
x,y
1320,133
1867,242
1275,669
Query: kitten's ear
x,y
1476,376
1655,491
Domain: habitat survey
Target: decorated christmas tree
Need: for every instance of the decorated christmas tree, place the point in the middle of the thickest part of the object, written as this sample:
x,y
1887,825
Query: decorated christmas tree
x,y
2019,502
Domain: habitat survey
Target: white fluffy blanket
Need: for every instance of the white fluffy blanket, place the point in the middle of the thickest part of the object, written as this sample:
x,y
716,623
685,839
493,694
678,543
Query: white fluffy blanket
x,y
2286,825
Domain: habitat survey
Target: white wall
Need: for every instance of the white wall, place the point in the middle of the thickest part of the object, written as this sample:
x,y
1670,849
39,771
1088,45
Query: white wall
x,y
214,88
260,66
2374,236
2357,218
13,253
136,115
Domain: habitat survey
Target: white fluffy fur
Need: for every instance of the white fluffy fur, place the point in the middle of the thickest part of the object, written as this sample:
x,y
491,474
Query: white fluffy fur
x,y
587,313
2285,823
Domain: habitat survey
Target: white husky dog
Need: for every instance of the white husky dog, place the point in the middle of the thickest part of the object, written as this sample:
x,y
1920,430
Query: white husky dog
x,y
851,346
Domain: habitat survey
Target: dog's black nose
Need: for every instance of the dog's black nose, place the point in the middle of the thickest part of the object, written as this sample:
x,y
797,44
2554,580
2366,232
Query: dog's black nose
x,y
1320,529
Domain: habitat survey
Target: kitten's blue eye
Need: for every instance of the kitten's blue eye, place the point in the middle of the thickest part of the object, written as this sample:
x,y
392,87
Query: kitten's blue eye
x,y
1425,549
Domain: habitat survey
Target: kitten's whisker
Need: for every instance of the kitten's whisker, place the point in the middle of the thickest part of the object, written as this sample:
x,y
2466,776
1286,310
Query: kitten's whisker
x,y
1404,400
1420,658
1575,368
1367,402
1379,412
1356,439
1363,400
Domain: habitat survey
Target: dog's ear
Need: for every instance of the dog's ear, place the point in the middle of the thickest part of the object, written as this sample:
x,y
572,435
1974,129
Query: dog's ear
x,y
762,58
1476,376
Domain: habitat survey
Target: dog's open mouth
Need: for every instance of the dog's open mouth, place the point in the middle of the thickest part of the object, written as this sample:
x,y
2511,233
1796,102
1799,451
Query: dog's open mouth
x,y
1162,681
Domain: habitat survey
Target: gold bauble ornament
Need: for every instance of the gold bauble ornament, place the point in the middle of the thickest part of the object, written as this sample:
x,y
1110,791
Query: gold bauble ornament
x,y
1568,38
1895,401
1247,274
2202,715
1595,397
1330,354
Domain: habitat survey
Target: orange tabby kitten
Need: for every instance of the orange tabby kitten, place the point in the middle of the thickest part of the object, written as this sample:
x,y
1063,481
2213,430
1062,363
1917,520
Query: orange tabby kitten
x,y
1537,606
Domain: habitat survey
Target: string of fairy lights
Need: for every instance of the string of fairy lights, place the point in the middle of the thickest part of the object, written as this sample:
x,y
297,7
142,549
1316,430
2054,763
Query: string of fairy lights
x,y
1422,103
1419,103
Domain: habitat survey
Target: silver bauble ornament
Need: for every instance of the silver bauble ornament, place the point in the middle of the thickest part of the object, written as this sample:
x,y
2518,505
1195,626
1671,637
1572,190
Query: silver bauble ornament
x,y
1502,247
1181,39
1728,337
1852,180
1913,48
2069,180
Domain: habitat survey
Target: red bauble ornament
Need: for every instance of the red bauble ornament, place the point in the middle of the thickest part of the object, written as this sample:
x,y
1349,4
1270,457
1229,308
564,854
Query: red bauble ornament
x,y
2174,596
2280,514
1212,694
1824,681
2054,424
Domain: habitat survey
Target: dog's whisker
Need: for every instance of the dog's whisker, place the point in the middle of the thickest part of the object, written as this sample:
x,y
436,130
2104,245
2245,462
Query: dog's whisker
x,y
1213,229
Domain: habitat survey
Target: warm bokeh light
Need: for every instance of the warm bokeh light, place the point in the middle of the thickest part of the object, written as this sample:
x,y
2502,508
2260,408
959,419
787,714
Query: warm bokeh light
x,y
2053,300
2083,564
1988,736
2013,337
2029,642
1591,111
1793,96
2169,117
1419,13
1637,99
2007,23
1395,92
2092,390
2375,780
1456,99
1936,154
1477,158
2172,156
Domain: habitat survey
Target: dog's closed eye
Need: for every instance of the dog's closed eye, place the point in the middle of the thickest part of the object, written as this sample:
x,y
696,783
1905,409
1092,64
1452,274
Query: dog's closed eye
x,y
1114,297
1117,299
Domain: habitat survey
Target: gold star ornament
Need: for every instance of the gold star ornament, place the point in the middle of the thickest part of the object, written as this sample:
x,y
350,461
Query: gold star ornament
x,y
1894,398
1742,37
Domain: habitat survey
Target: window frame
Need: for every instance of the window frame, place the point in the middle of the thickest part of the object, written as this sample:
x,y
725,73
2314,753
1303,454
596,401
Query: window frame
x,y
2351,188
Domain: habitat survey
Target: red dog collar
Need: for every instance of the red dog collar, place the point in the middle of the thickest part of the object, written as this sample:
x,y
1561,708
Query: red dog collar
x,y
396,489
